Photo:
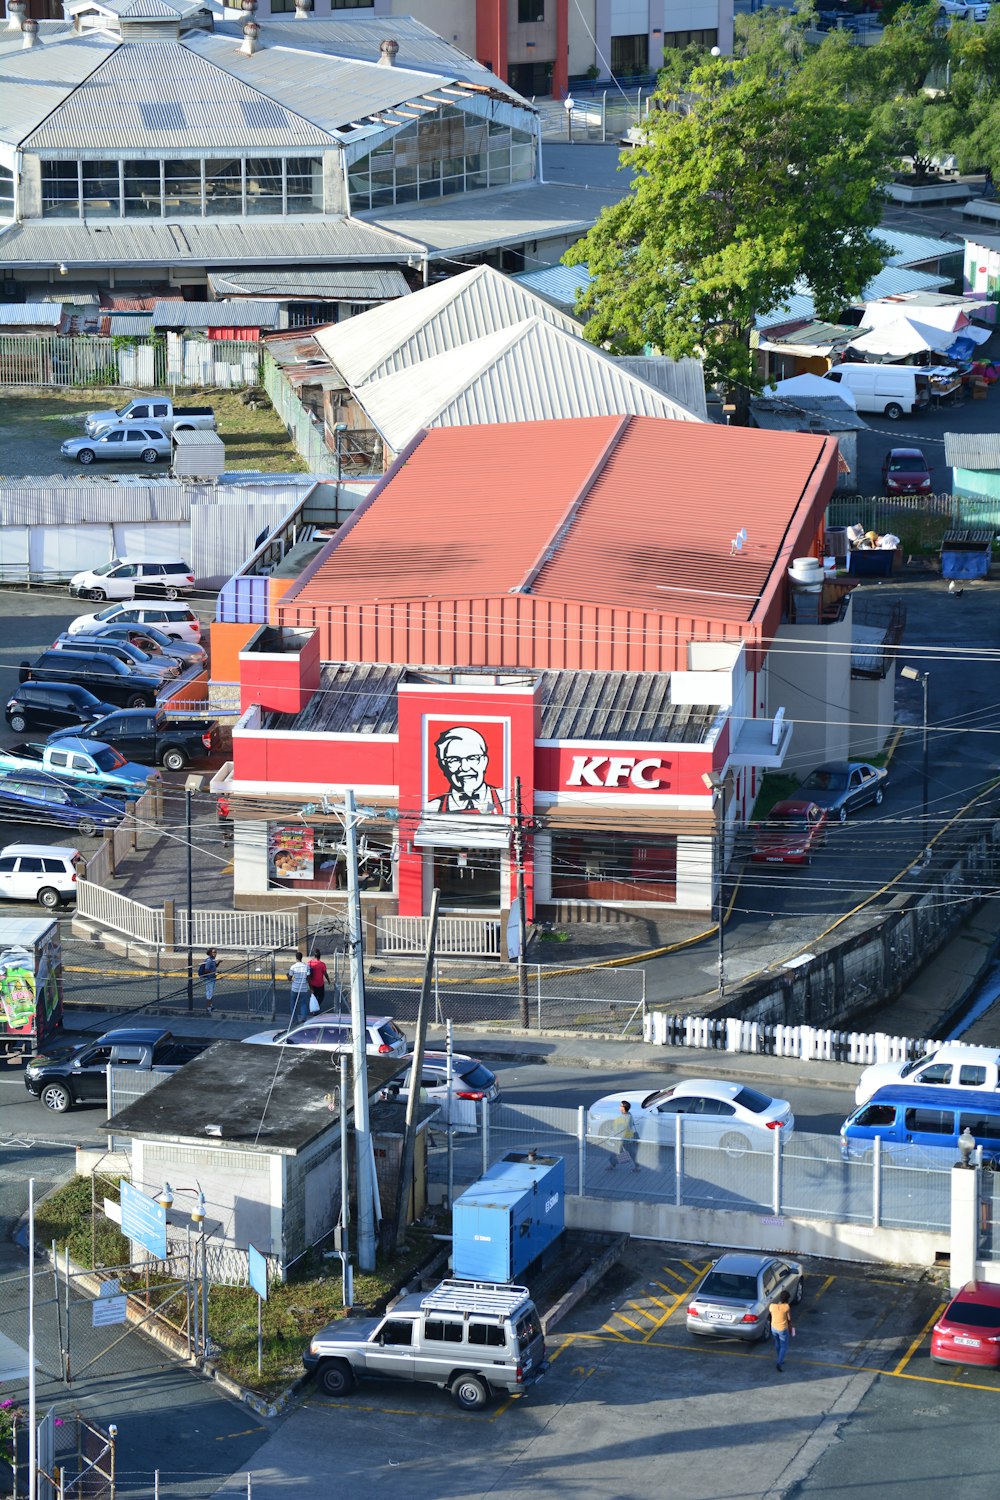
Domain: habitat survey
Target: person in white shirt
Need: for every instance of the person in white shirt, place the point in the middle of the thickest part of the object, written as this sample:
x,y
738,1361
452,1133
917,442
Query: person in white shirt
x,y
298,978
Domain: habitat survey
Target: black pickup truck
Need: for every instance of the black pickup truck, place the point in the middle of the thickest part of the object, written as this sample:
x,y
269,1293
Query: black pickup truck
x,y
148,736
79,1074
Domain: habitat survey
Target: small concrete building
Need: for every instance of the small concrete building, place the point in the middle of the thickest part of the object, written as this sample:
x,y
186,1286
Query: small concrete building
x,y
257,1130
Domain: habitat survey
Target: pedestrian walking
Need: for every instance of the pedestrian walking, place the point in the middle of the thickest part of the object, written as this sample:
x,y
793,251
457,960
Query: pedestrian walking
x,y
782,1328
317,982
298,978
208,970
621,1127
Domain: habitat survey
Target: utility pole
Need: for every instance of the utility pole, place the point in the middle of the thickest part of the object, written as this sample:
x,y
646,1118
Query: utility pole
x,y
716,784
362,1129
416,1069
190,899
522,976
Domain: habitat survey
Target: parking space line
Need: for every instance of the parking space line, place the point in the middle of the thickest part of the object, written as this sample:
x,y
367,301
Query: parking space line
x,y
630,1323
828,1283
695,1271
669,1271
567,1343
246,1432
643,1311
682,1296
915,1345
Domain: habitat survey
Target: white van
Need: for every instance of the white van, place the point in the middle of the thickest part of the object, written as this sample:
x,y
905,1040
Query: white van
x,y
175,620
124,578
893,390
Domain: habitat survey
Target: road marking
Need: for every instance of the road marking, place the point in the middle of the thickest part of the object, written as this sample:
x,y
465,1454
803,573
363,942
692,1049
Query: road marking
x,y
682,1296
630,1323
669,1271
642,1311
915,1345
394,1411
246,1432
828,1283
695,1271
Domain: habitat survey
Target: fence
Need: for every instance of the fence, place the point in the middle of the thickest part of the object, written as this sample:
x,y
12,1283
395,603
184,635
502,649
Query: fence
x,y
809,1043
75,1459
158,926
920,521
33,359
303,428
476,937
606,115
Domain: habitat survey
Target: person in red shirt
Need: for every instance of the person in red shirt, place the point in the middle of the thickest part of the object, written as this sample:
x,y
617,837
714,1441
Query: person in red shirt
x,y
317,980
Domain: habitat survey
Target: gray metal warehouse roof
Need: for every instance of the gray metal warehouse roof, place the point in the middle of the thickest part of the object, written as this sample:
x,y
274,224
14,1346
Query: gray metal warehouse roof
x,y
972,450
215,315
532,211
352,284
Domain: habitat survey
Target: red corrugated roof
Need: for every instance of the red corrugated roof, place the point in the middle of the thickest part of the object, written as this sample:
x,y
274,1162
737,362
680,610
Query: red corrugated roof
x,y
633,511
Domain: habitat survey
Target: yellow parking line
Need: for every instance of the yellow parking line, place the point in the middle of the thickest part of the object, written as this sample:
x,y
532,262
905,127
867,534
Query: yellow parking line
x,y
245,1432
695,1270
682,1295
643,1311
656,1299
622,1316
915,1345
669,1271
828,1283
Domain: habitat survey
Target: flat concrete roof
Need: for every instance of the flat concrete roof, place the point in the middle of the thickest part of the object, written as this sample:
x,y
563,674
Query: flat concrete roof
x,y
263,1098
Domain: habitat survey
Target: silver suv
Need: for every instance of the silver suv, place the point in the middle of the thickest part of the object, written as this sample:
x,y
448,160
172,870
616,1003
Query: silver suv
x,y
471,1338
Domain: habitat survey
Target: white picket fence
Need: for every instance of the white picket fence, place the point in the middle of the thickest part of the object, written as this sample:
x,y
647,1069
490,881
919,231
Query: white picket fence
x,y
809,1043
471,937
224,929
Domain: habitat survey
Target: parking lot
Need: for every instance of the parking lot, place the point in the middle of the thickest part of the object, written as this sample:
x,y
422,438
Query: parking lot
x,y
633,1405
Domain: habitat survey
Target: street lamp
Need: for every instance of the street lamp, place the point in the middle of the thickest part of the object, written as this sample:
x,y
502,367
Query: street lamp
x,y
716,783
912,675
569,104
338,438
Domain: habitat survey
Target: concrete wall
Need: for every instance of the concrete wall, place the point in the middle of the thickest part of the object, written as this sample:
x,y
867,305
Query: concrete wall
x,y
814,687
872,713
749,1231
237,1186
455,20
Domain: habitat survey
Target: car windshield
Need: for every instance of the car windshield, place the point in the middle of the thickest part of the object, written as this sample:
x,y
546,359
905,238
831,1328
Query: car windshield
x,y
825,781
111,613
752,1100
906,464
478,1077
108,759
910,1066
105,568
788,823
729,1284
973,1314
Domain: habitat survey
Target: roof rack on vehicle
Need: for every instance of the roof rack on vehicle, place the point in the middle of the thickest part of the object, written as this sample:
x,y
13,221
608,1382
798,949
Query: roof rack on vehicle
x,y
477,1297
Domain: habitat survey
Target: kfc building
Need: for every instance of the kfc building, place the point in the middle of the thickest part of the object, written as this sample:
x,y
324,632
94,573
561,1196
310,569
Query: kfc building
x,y
549,630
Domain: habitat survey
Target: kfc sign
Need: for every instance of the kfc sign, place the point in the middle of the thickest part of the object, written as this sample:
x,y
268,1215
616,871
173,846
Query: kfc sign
x,y
643,773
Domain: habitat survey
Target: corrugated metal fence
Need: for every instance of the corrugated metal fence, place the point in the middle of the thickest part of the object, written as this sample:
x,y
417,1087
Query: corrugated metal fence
x,y
303,429
33,359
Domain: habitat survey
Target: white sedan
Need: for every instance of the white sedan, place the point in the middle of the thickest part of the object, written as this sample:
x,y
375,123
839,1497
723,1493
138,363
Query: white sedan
x,y
965,10
730,1115
334,1034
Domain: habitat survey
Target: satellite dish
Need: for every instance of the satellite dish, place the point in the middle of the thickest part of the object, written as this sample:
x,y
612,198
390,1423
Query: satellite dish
x,y
742,535
776,726
736,545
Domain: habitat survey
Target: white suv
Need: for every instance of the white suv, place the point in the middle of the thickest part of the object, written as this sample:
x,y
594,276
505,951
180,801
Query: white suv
x,y
38,872
124,578
175,620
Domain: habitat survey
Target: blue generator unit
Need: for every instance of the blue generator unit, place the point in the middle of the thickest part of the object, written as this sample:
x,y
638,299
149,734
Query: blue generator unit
x,y
505,1220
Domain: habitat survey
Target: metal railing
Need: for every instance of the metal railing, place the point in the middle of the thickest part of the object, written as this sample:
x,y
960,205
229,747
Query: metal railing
x,y
809,1043
474,937
303,428
120,913
236,929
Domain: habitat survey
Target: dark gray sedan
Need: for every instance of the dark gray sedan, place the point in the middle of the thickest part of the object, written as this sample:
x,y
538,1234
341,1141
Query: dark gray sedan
x,y
733,1299
842,786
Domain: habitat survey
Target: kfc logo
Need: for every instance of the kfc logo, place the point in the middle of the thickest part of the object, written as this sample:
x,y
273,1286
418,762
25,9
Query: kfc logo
x,y
614,770
464,759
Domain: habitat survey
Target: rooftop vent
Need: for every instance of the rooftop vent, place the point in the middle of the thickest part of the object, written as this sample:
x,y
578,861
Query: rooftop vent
x,y
16,11
251,32
29,30
302,9
388,51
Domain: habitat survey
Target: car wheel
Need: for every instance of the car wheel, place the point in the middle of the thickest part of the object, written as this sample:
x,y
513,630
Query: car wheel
x,y
150,456
735,1145
18,723
174,760
894,411
878,797
470,1392
87,827
765,1330
99,595
336,1378
48,898
799,1289
86,455
841,814
57,1097
136,700
170,592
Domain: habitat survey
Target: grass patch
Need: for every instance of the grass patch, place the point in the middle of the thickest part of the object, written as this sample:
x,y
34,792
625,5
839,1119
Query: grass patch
x,y
775,787
293,1312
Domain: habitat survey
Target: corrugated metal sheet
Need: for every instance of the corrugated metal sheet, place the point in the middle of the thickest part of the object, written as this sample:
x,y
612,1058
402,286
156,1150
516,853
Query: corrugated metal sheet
x,y
215,315
57,500
152,9
164,96
558,284
222,536
122,242
353,699
894,279
457,311
25,314
682,380
131,325
531,372
912,249
34,83
352,284
618,706
972,450
796,413
507,216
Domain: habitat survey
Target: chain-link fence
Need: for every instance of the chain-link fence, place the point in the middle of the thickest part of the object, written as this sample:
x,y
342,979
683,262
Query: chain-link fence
x,y
75,1459
246,983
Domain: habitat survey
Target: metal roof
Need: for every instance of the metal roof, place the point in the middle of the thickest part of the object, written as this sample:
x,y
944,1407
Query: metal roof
x,y
558,284
129,242
682,380
530,372
824,414
130,325
972,450
626,706
636,513
455,311
35,82
22,314
215,315
139,9
503,216
817,335
912,249
352,284
799,306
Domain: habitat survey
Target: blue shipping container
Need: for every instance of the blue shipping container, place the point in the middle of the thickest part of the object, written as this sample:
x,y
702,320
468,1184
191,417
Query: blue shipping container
x,y
505,1220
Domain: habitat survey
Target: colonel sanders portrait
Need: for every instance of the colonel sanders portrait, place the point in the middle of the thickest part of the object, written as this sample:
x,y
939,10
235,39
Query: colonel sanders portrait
x,y
464,760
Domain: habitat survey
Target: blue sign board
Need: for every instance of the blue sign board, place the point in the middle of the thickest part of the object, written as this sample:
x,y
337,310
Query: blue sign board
x,y
258,1272
144,1220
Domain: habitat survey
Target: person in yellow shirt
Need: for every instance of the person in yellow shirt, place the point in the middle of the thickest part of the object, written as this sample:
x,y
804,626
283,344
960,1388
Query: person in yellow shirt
x,y
781,1328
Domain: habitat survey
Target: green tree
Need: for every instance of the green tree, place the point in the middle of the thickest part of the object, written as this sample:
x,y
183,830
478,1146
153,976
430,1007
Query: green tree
x,y
746,182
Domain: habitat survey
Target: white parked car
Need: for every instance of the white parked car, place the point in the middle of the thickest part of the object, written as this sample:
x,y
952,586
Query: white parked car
x,y
150,444
964,10
125,577
177,621
731,1115
953,1064
45,873
333,1034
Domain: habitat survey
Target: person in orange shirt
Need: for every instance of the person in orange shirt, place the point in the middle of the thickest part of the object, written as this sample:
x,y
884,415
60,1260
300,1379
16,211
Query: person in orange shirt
x,y
781,1328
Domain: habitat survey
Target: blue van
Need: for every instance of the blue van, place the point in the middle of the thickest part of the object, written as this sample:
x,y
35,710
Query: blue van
x,y
929,1117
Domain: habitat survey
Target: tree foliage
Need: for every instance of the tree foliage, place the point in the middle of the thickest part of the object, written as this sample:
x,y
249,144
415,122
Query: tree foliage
x,y
749,180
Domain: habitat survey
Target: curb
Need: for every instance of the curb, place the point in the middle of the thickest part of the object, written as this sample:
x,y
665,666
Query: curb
x,y
585,1283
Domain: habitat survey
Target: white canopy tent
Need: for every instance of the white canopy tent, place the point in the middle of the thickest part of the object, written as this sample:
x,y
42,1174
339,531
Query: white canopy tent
x,y
903,338
811,385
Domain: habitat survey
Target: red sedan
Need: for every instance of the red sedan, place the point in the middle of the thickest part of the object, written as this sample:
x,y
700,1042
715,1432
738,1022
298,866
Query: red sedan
x,y
969,1331
791,833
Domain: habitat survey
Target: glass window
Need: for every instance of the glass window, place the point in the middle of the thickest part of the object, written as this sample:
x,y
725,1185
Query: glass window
x,y
614,867
31,867
443,1331
282,7
984,1127
530,10
629,54
101,193
224,187
930,1121
971,1076
60,189
490,1334
445,152
396,1331
182,189
142,190
305,185
6,193
265,194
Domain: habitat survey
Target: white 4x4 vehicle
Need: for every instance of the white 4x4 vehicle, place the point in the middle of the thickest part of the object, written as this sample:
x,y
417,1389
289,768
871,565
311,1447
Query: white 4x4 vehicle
x,y
470,1338
38,872
954,1065
124,578
175,620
